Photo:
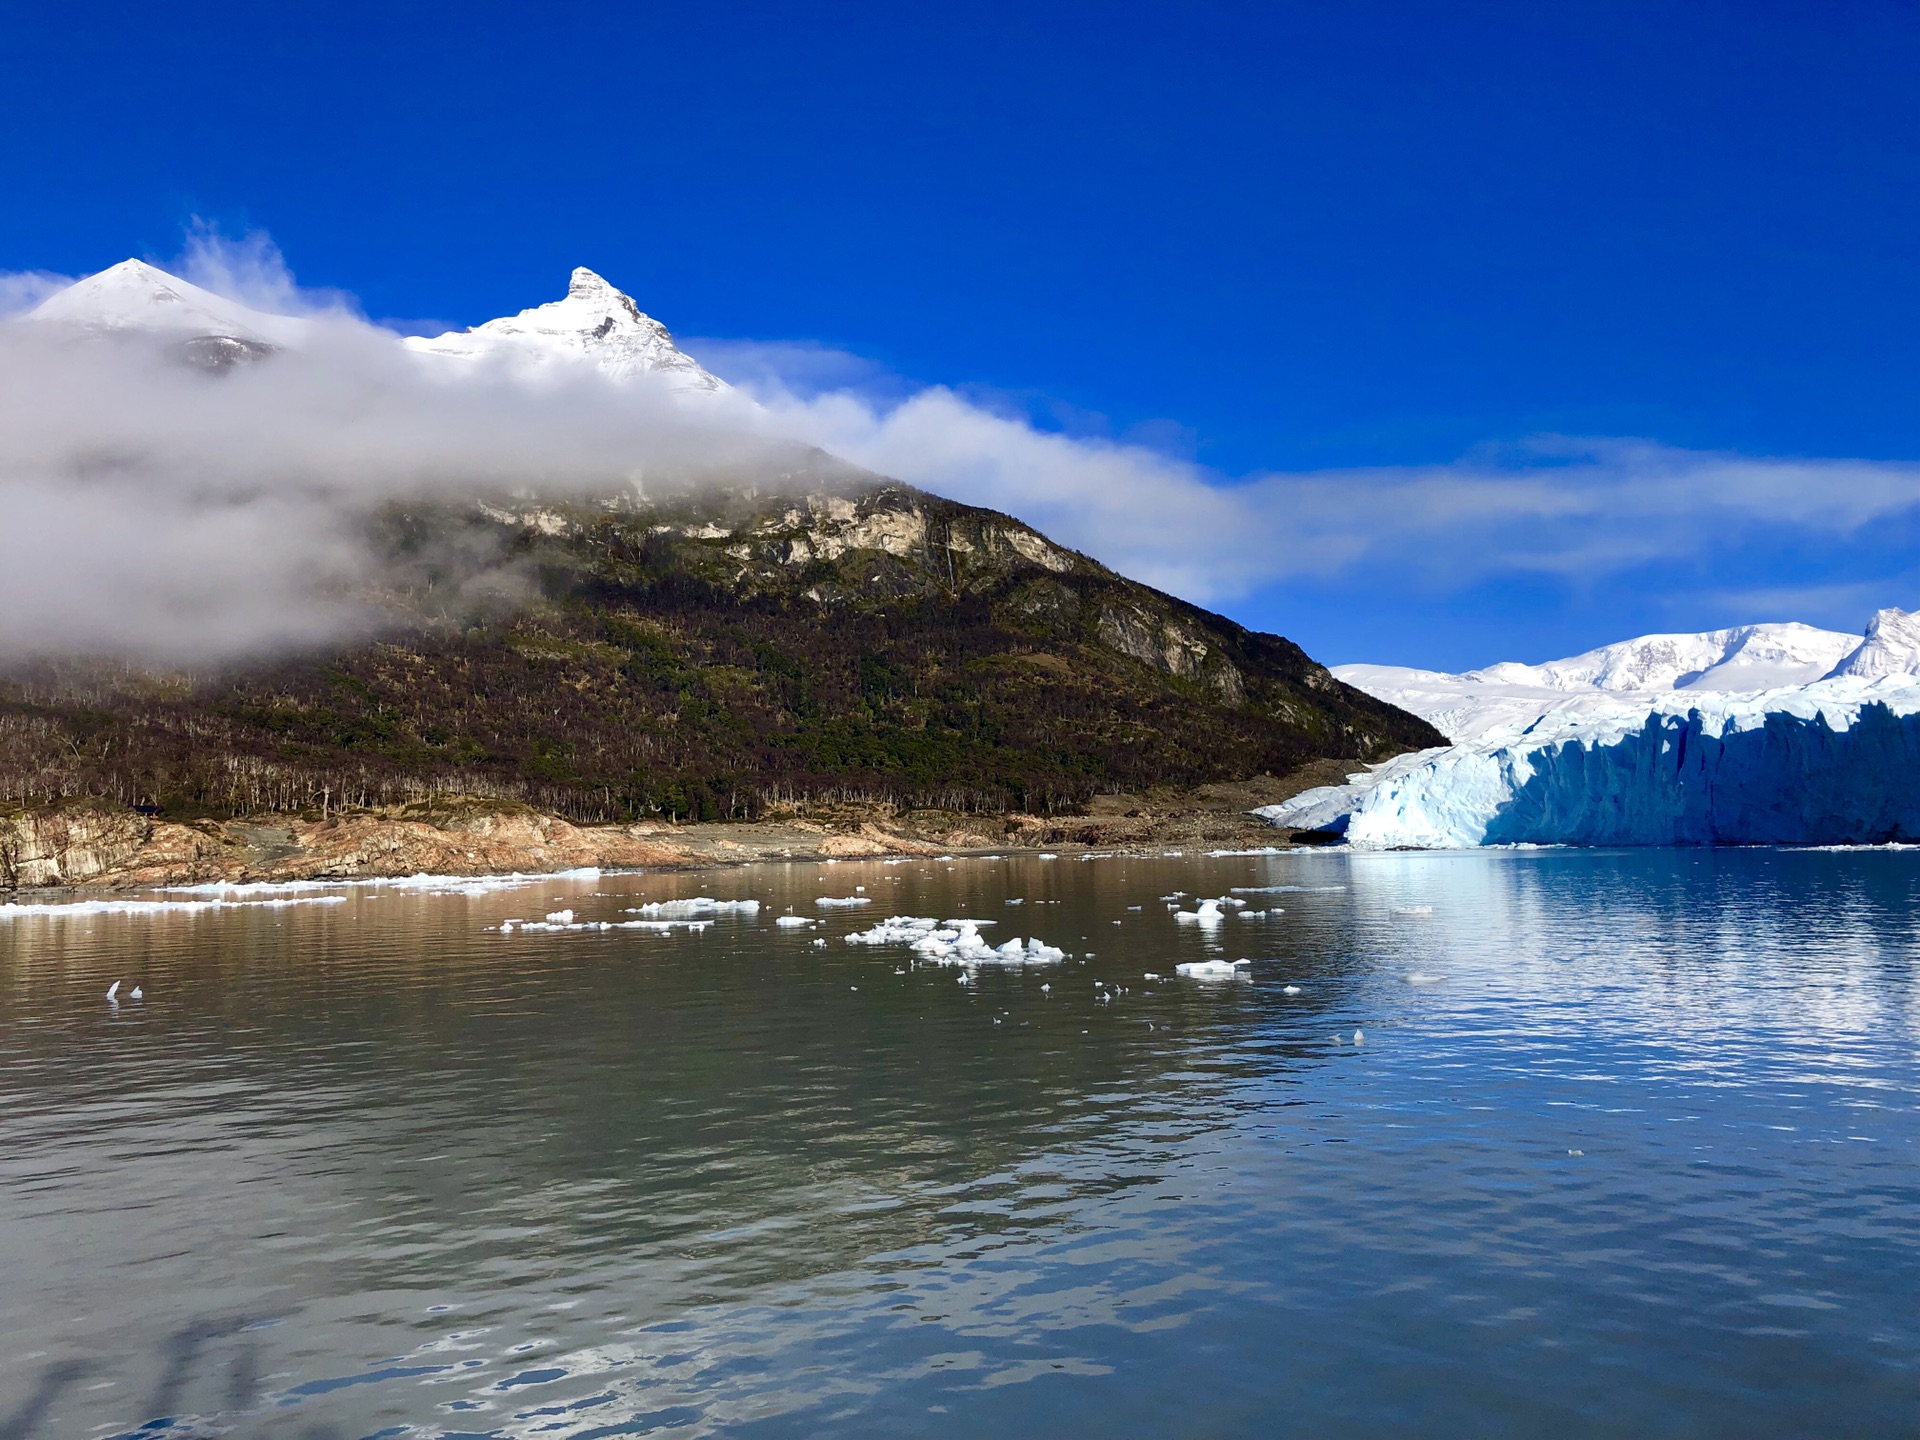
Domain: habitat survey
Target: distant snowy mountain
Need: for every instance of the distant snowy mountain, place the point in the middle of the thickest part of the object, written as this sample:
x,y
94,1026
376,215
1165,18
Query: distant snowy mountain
x,y
135,298
595,324
1891,647
1764,734
1743,660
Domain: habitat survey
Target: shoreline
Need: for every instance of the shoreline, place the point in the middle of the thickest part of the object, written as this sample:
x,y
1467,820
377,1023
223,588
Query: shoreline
x,y
90,847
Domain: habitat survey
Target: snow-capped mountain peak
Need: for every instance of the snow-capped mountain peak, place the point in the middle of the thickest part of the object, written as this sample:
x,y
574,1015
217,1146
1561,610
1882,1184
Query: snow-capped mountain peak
x,y
1745,657
136,296
595,324
1743,660
1891,647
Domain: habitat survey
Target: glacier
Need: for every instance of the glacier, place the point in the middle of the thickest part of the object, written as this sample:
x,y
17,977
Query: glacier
x,y
1664,740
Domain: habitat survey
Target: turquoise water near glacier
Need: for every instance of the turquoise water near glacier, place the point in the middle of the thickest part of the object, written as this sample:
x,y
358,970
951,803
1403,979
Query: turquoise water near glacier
x,y
1629,1146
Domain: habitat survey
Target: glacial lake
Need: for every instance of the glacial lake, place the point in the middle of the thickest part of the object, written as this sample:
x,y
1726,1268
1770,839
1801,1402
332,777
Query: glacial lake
x,y
1628,1146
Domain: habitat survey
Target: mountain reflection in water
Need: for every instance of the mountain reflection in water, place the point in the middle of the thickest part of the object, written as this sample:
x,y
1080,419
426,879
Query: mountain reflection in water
x,y
1629,1147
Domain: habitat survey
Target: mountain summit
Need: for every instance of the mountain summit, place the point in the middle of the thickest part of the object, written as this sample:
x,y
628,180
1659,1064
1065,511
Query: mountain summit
x,y
134,296
596,323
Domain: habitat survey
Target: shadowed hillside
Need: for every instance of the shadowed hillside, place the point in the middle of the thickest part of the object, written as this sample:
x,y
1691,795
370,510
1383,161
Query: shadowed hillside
x,y
710,658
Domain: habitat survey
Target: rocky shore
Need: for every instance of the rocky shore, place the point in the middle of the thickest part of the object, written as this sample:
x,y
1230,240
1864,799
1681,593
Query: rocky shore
x,y
93,845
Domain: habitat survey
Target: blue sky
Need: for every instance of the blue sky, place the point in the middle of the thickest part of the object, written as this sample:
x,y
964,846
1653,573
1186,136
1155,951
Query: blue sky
x,y
1368,240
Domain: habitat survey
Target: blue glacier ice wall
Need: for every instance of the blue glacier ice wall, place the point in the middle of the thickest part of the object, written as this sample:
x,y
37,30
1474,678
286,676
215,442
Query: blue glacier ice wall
x,y
1789,780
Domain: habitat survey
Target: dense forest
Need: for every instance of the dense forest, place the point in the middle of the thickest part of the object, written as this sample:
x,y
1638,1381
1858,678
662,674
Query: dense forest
x,y
706,658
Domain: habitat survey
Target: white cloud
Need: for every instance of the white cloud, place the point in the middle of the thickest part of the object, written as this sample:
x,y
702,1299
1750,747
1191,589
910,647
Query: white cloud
x,y
21,290
1580,508
152,509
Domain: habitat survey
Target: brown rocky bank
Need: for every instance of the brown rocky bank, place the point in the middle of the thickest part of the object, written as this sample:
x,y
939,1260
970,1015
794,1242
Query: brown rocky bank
x,y
94,844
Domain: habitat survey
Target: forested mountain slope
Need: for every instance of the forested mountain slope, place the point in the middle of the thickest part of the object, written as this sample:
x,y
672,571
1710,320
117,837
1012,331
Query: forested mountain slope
x,y
705,657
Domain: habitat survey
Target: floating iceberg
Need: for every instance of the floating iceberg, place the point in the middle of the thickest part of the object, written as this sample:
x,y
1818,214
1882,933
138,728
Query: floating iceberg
x,y
698,905
1216,970
955,942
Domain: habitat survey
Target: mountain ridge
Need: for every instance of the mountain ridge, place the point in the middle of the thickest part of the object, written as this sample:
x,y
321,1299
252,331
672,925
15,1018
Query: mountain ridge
x,y
813,637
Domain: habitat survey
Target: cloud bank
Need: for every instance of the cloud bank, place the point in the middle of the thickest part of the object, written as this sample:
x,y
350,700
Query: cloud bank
x,y
1570,507
155,511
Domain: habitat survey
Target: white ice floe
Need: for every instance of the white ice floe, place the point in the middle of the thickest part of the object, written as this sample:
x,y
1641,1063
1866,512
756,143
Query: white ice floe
x,y
841,902
1207,915
1417,978
955,942
1413,912
698,905
1215,969
793,922
554,921
1289,989
17,910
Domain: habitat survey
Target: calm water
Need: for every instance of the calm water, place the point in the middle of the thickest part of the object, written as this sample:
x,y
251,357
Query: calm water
x,y
1629,1148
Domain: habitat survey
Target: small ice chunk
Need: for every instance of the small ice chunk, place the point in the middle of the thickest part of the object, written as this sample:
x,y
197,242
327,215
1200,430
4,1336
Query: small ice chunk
x,y
1215,969
1207,915
794,922
559,917
1290,990
841,902
1418,978
1412,912
1359,1037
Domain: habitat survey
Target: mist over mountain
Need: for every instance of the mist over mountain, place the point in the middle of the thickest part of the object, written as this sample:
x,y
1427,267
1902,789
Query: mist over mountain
x,y
293,558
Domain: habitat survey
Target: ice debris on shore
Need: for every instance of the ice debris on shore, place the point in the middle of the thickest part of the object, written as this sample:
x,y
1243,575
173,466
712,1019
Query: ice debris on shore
x,y
955,942
20,910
